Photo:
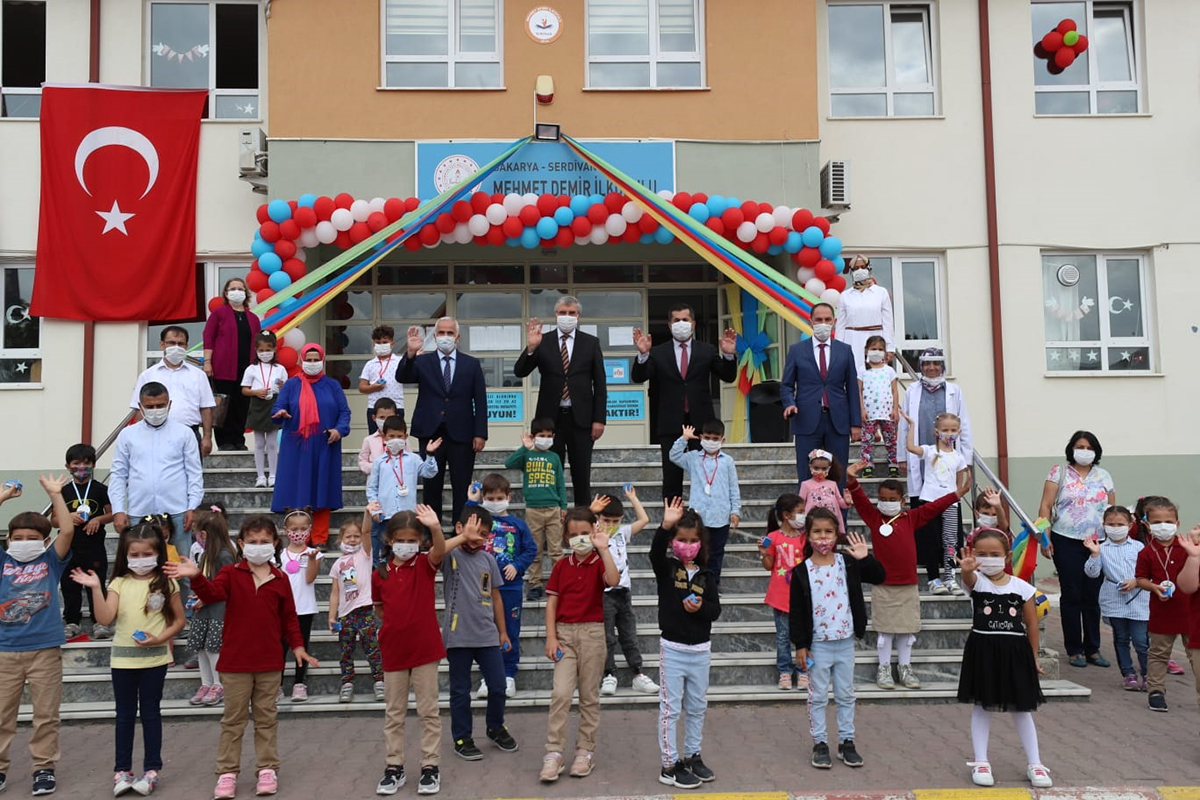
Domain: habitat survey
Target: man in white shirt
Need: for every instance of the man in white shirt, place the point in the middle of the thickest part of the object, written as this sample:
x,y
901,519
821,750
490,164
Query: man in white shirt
x,y
192,399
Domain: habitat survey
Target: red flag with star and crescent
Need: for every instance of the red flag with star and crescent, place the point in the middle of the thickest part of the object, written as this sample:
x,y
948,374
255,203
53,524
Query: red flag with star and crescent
x,y
117,222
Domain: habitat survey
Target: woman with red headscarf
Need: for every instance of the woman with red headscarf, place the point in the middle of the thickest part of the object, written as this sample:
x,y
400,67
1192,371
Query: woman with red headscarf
x,y
315,416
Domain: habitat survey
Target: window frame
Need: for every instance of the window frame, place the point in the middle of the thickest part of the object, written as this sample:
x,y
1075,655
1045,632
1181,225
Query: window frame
x,y
213,91
940,305
21,353
211,288
1106,341
890,89
24,91
1095,86
655,55
453,55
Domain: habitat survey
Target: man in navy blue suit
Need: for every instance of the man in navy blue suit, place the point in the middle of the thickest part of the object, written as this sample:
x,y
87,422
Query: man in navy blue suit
x,y
451,405
820,393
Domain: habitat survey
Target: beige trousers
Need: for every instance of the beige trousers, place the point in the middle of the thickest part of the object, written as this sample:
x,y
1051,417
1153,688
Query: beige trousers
x,y
1161,645
43,669
546,526
424,681
581,667
249,693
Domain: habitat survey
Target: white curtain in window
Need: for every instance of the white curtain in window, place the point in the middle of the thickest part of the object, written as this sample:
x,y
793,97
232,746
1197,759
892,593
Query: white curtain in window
x,y
619,27
677,26
416,27
477,26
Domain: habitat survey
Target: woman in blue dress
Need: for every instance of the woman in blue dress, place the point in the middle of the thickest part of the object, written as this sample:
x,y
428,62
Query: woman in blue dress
x,y
314,414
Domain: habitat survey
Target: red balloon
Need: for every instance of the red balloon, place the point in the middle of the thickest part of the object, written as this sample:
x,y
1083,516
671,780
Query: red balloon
x,y
766,208
582,226
614,202
344,200
324,206
1065,57
480,201
683,201
825,270
631,234
647,224
512,227
732,217
761,243
293,205
808,257
460,211
343,240
359,232
1081,45
529,216
548,242
716,225
261,213
256,280
497,198
1066,26
495,236
429,234
377,221
778,235
305,217
295,268
836,282
479,240
393,209
563,200
215,303
699,197
269,231
547,204
261,295
412,243
285,249
1052,41
749,210
802,219
823,224
288,229
286,356
564,238
412,203
597,214
445,223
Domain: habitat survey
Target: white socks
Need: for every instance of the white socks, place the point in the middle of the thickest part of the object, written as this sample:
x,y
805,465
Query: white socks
x,y
208,668
884,646
265,444
904,646
981,722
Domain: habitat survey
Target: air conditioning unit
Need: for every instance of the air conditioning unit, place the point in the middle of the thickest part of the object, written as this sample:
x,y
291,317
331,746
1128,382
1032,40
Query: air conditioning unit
x,y
835,185
252,152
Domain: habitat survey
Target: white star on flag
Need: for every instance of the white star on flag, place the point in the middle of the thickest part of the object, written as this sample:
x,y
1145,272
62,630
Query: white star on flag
x,y
114,220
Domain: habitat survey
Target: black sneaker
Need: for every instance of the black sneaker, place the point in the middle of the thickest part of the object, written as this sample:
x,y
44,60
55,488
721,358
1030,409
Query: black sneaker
x,y
893,472
679,776
3,781
535,593
848,755
44,782
820,757
1158,701
431,781
393,779
503,739
700,769
867,472
466,749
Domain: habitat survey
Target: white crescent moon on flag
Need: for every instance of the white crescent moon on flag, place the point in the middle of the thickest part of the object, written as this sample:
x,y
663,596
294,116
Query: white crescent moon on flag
x,y
121,137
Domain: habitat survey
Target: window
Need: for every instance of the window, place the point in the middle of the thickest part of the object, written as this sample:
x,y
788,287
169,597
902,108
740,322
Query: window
x,y
881,60
1104,78
442,44
1096,313
20,333
213,46
641,44
22,57
915,284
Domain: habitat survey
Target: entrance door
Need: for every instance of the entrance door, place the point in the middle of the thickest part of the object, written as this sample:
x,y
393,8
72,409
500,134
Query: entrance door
x,y
659,303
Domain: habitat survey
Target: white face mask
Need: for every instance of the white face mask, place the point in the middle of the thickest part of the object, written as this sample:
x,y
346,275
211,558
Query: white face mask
x,y
890,508
822,332
174,354
258,553
928,381
986,520
266,356
383,349
155,417
1083,458
581,545
26,549
236,296
395,446
313,367
876,356
860,275
349,549
495,507
991,565
711,446
798,522
142,566
405,550
1117,533
445,344
1164,531
543,442
681,330
567,323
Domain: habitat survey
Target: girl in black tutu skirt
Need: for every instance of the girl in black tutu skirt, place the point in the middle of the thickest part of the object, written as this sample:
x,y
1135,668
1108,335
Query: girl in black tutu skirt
x,y
999,667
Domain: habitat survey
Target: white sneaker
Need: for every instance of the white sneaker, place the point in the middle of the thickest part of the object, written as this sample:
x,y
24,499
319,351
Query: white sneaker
x,y
510,687
481,692
271,481
937,587
981,773
608,686
71,630
101,632
1039,776
643,684
260,482
883,677
955,589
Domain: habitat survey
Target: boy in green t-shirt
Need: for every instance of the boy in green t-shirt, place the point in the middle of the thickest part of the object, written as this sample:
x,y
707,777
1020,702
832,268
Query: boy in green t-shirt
x,y
545,497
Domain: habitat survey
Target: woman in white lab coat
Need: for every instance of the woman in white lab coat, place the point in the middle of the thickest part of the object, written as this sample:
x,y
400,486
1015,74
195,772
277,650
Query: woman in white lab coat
x,y
864,310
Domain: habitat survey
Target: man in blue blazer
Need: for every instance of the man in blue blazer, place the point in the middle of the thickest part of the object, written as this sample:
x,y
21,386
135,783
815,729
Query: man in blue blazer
x,y
820,393
451,405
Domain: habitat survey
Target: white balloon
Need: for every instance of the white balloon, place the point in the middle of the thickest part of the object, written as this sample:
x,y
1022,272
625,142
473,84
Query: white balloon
x,y
342,219
764,222
478,225
598,235
325,231
462,234
495,214
631,212
529,199
301,254
831,296
377,204
431,246
746,232
512,204
360,210
666,194
582,240
448,238
783,217
308,238
294,339
815,285
805,274
615,225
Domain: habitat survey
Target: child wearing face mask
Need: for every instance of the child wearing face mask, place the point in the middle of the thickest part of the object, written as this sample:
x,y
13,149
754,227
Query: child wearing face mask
x,y
999,667
1122,603
378,378
510,542
780,551
87,500
620,623
301,564
821,490
1157,569
261,614
1141,532
879,393
148,612
261,382
545,497
392,485
989,512
714,493
402,588
208,621
351,614
372,444
945,473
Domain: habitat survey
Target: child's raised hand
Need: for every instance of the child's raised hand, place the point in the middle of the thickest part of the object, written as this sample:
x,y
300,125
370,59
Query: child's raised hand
x,y
185,568
599,503
1092,544
689,432
432,446
88,578
9,491
599,538
473,530
475,492
966,559
428,517
527,440
672,513
302,657
53,485
1189,541
857,546
991,497
853,469
631,493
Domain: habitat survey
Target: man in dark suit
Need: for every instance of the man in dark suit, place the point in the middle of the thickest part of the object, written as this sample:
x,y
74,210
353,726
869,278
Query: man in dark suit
x,y
451,405
573,390
679,373
820,393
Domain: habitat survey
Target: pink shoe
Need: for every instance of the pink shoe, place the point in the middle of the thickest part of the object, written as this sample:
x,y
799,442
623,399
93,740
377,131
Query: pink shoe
x,y
1173,668
215,696
226,786
268,782
198,697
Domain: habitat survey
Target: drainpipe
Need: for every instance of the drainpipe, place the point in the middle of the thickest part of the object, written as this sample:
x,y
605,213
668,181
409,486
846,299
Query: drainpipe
x,y
89,327
989,179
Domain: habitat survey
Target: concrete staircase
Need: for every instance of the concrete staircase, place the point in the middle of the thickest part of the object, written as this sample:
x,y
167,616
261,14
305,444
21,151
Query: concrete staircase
x,y
743,665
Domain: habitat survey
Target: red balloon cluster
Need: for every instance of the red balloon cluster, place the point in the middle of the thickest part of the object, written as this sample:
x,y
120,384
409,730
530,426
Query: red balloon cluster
x,y
1061,46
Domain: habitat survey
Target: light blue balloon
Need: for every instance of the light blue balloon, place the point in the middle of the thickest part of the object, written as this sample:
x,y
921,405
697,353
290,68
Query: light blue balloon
x,y
646,238
563,215
279,210
717,205
269,262
794,242
812,236
260,248
831,247
512,241
579,205
307,199
731,202
774,249
530,238
279,280
594,199
663,235
289,305
699,212
547,228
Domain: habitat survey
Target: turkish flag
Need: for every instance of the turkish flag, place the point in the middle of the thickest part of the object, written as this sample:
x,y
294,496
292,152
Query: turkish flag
x,y
117,224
